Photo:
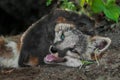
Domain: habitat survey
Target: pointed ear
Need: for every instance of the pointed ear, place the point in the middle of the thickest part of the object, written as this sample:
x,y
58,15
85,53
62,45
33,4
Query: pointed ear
x,y
2,44
101,43
2,40
61,20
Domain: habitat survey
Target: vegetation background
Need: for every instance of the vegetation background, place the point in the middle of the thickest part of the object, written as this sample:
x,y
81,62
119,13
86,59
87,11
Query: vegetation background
x,y
22,13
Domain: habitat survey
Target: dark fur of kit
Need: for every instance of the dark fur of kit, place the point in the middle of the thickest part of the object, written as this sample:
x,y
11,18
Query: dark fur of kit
x,y
38,38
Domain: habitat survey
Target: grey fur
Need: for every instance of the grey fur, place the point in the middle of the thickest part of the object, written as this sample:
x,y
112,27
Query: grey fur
x,y
75,45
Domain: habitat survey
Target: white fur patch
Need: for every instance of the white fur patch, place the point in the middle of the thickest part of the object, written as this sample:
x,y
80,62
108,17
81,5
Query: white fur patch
x,y
13,61
74,55
63,26
72,62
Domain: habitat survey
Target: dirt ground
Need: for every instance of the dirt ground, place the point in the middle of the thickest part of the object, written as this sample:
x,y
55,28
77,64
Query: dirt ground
x,y
109,68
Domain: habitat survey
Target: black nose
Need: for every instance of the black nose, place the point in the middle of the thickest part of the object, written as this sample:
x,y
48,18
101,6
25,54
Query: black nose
x,y
53,49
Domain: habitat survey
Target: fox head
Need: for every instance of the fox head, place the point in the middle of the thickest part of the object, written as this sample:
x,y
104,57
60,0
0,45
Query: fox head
x,y
71,45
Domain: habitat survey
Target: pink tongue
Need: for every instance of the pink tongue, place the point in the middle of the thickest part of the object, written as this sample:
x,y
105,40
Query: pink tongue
x,y
50,58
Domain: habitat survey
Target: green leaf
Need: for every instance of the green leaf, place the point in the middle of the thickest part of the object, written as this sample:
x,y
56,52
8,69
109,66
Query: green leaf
x,y
110,2
89,2
97,6
48,2
87,62
68,6
112,12
82,2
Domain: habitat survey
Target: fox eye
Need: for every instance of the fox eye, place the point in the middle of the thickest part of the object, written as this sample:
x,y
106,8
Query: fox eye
x,y
62,36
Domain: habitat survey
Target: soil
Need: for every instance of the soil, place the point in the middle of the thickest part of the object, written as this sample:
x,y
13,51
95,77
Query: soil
x,y
108,68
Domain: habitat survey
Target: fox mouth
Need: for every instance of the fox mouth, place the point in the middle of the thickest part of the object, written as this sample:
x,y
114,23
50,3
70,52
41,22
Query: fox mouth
x,y
51,58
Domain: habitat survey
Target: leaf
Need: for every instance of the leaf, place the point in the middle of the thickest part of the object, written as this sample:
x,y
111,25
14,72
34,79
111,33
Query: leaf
x,y
112,12
97,6
110,2
48,2
87,62
82,2
68,6
71,6
89,2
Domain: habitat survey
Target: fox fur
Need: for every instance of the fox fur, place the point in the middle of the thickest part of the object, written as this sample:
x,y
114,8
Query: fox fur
x,y
61,37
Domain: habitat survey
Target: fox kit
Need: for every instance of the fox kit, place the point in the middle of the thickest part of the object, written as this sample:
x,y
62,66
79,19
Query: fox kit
x,y
71,46
62,37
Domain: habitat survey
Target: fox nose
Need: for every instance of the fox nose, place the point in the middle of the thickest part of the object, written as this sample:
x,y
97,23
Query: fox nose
x,y
53,49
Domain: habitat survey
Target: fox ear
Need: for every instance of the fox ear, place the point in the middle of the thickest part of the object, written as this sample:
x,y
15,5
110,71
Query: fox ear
x,y
2,43
61,20
2,40
101,43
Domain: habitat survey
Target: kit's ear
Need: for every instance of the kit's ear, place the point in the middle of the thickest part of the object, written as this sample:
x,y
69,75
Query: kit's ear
x,y
2,41
61,20
100,44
